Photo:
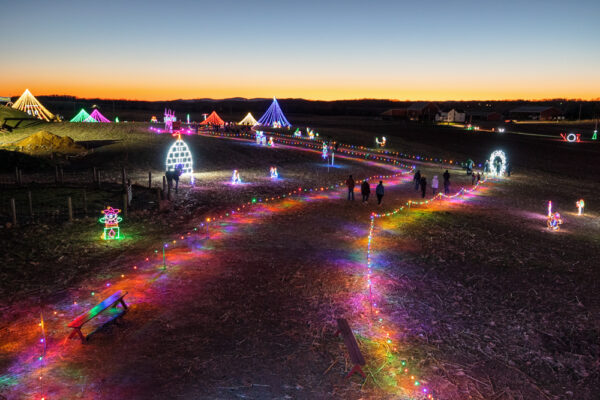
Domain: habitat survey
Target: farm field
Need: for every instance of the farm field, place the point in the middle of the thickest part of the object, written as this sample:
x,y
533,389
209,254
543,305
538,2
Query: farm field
x,y
247,304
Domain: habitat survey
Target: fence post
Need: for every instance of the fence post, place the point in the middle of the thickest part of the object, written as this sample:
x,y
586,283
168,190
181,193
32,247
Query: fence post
x,y
17,175
164,183
62,176
84,202
123,176
13,208
56,174
98,178
94,175
30,205
20,177
125,204
158,197
149,179
70,206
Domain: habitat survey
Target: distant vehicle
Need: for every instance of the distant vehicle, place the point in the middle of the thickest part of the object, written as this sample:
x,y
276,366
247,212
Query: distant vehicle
x,y
501,130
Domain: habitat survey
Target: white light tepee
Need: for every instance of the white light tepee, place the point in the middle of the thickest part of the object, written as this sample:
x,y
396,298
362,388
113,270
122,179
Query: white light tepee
x,y
29,104
248,120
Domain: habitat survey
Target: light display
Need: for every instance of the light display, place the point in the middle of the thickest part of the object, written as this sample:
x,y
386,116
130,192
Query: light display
x,y
154,120
273,115
117,119
29,104
580,206
325,150
248,120
497,163
274,173
297,133
259,136
595,135
169,118
235,177
111,221
98,117
554,221
82,116
571,137
271,143
380,143
213,119
180,157
188,119
549,209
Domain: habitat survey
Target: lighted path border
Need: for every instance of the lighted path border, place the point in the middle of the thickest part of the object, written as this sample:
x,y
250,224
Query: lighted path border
x,y
385,340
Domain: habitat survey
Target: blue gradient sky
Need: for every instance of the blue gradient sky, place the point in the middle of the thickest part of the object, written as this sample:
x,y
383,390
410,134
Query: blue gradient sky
x,y
313,49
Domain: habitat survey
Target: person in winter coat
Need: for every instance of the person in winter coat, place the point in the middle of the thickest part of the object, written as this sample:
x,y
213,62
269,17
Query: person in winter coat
x,y
446,182
434,185
423,186
365,189
379,192
417,179
350,184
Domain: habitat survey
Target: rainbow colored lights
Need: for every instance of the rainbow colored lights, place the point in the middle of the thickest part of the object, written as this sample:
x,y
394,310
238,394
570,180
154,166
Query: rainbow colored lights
x,y
580,206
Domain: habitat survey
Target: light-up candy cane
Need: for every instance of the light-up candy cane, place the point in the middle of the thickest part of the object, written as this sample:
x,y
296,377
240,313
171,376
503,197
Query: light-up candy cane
x,y
549,209
580,206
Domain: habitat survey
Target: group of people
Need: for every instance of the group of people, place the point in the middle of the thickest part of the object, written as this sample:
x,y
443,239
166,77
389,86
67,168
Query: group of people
x,y
420,182
365,190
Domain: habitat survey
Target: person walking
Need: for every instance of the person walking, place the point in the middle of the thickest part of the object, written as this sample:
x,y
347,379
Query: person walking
x,y
435,184
365,189
379,192
417,179
350,184
508,169
446,182
423,186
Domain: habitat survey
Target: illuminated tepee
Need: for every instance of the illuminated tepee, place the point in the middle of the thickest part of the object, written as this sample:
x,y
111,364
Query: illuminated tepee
x,y
213,119
274,116
248,120
83,116
29,104
98,117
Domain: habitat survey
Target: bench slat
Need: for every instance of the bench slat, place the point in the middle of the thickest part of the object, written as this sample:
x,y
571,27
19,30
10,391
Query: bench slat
x,y
351,344
106,303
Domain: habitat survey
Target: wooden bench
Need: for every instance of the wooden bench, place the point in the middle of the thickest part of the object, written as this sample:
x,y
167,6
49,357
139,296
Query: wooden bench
x,y
110,302
355,355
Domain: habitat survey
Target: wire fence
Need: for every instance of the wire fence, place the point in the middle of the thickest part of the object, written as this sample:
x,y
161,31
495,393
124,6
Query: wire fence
x,y
65,195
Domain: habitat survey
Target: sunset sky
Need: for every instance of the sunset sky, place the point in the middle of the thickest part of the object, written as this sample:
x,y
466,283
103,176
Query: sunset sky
x,y
326,49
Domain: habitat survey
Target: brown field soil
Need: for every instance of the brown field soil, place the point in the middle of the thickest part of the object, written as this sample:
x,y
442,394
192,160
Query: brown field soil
x,y
485,302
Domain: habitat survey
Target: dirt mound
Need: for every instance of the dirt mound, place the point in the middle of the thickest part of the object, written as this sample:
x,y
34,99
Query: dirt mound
x,y
44,142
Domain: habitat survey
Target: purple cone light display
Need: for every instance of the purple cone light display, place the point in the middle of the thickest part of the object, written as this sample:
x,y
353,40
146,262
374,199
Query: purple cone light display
x,y
98,117
274,116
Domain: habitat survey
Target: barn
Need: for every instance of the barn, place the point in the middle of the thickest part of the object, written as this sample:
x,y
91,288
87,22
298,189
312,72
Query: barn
x,y
540,113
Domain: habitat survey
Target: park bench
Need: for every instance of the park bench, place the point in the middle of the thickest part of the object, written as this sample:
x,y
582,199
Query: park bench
x,y
355,355
110,302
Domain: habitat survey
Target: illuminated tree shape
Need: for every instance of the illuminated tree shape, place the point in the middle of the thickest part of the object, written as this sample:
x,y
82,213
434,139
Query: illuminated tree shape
x,y
83,116
274,115
179,156
213,119
248,120
111,221
29,104
98,117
